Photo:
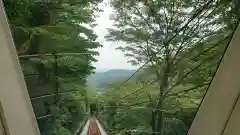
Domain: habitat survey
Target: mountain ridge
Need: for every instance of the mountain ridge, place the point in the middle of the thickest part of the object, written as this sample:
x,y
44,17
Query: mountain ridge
x,y
101,79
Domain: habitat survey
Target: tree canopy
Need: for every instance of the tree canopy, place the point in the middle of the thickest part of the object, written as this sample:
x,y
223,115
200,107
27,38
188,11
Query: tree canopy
x,y
177,44
55,43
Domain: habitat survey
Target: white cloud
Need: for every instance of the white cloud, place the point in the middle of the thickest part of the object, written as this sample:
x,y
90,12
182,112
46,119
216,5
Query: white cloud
x,y
109,57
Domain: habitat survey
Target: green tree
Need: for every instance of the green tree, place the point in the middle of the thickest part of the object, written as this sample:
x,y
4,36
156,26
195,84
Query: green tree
x,y
62,28
131,109
180,41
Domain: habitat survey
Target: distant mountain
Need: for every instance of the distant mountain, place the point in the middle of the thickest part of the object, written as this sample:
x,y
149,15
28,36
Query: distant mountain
x,y
101,70
101,79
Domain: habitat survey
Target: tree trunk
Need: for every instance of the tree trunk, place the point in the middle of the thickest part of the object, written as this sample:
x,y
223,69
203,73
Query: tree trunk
x,y
163,85
153,122
163,82
160,118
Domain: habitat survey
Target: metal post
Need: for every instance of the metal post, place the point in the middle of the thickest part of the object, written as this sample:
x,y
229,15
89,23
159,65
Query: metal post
x,y
153,122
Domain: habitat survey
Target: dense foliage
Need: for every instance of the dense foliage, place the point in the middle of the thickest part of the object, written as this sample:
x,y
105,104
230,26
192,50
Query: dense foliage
x,y
60,31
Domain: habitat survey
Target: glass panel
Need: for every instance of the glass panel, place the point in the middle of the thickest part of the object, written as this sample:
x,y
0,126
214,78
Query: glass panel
x,y
169,53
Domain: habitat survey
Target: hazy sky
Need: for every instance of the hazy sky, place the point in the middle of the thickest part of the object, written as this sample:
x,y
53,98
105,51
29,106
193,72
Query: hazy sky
x,y
109,58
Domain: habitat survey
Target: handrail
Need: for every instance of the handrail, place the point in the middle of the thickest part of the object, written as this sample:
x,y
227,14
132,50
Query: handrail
x,y
50,54
81,125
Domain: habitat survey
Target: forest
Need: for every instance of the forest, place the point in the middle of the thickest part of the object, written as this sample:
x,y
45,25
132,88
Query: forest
x,y
177,45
